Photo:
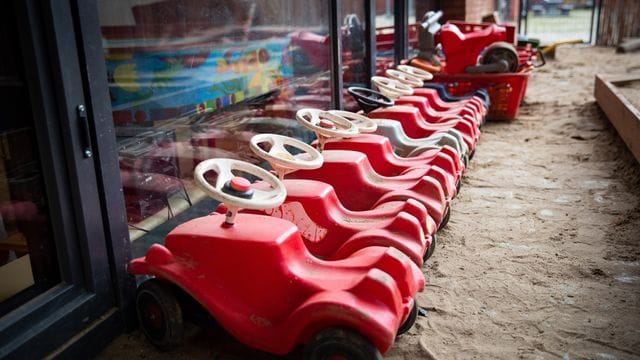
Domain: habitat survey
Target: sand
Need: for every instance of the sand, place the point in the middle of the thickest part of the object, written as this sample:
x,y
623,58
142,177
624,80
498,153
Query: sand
x,y
541,258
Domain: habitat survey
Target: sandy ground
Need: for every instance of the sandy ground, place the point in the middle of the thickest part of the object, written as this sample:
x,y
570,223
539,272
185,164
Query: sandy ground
x,y
541,258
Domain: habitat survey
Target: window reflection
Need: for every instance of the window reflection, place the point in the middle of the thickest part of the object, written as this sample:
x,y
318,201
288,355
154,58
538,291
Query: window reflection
x,y
353,49
28,261
191,80
384,36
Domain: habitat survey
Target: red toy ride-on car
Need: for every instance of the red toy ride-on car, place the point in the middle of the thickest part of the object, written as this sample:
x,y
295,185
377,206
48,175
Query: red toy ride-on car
x,y
253,274
328,229
357,184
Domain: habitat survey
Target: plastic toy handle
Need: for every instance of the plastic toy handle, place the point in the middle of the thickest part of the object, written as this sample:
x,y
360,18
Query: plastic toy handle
x,y
261,199
541,62
280,158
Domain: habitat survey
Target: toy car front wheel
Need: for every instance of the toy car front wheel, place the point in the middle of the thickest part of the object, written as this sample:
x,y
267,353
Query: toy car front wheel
x,y
411,319
431,248
445,219
338,343
159,314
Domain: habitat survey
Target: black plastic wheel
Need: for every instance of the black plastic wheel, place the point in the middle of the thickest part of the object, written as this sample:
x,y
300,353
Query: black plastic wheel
x,y
445,219
339,343
368,99
159,314
431,249
501,51
411,319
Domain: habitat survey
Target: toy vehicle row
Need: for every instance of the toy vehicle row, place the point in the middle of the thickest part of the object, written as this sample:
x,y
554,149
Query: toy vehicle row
x,y
343,287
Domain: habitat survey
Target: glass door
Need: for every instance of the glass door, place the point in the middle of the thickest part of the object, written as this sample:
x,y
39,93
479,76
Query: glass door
x,y
28,260
56,272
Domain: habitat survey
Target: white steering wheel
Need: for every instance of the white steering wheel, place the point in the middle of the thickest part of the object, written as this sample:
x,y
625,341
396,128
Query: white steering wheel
x,y
236,192
392,88
417,72
364,124
404,78
280,158
326,125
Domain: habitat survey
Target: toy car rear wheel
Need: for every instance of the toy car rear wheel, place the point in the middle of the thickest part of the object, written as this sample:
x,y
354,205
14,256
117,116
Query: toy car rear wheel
x,y
500,51
340,343
431,249
411,319
445,219
159,314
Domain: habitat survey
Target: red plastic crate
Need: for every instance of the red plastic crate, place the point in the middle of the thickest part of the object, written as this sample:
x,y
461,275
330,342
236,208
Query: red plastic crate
x,y
505,90
466,27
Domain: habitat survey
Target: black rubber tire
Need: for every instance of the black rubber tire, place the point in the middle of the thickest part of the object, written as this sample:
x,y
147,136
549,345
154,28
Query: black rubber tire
x,y
340,342
411,319
445,219
501,51
160,314
431,249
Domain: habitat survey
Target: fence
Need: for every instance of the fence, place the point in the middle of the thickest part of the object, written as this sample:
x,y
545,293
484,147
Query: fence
x,y
618,19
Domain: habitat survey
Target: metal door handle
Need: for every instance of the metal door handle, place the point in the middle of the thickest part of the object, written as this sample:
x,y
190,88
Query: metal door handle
x,y
85,135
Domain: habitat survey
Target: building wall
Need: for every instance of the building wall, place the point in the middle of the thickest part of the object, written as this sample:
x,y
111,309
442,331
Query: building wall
x,y
453,10
476,9
618,19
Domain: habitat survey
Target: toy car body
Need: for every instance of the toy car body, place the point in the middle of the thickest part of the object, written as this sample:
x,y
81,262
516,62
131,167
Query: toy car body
x,y
359,187
481,94
258,280
473,104
376,105
332,232
461,49
416,126
405,146
471,122
422,98
443,164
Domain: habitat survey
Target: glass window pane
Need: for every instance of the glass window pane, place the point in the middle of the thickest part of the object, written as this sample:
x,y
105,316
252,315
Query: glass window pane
x,y
417,10
196,79
354,49
384,35
28,262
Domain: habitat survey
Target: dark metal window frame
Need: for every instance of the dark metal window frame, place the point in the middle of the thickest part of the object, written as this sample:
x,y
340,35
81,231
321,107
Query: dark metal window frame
x,y
335,33
370,40
84,301
401,39
401,30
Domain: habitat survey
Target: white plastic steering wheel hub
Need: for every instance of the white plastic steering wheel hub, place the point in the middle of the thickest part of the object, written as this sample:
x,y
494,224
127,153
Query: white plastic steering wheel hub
x,y
391,88
260,199
280,158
